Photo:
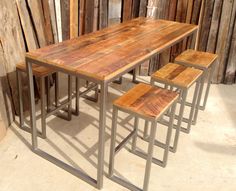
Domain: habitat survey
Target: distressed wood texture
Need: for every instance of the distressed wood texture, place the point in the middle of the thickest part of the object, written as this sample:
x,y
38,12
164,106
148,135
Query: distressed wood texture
x,y
126,10
65,18
12,50
177,75
211,44
223,39
114,49
38,71
146,100
6,109
197,58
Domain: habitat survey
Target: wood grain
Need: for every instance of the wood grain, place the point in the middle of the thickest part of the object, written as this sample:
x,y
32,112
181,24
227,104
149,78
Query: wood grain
x,y
38,71
27,26
115,49
146,100
196,58
178,75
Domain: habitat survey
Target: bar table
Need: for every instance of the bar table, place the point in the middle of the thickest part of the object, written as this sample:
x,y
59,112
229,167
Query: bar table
x,y
102,57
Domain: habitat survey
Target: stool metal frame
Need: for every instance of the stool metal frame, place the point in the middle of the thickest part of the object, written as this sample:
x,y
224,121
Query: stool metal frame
x,y
134,134
182,99
207,74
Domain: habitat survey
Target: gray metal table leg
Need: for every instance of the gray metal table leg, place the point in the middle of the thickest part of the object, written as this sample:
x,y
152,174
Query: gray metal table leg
x,y
32,106
102,124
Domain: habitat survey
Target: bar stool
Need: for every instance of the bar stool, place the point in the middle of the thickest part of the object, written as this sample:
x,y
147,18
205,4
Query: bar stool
x,y
201,60
149,103
181,78
43,74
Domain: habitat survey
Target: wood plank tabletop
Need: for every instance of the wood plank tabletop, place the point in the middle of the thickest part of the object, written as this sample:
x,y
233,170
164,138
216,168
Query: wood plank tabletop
x,y
105,53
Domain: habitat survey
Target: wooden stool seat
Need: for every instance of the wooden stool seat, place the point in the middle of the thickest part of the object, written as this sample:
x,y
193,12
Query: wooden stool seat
x,y
178,75
146,100
38,71
196,58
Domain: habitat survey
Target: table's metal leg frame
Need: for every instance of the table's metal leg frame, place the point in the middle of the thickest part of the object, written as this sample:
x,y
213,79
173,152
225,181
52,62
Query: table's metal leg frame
x,y
76,172
32,106
21,109
102,123
114,150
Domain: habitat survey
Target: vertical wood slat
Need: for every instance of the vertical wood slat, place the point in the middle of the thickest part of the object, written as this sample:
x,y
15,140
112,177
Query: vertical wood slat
x,y
65,18
172,9
38,20
27,26
126,10
196,11
231,67
81,16
211,44
143,8
103,14
135,8
74,18
58,19
47,22
205,28
53,20
222,39
89,16
95,15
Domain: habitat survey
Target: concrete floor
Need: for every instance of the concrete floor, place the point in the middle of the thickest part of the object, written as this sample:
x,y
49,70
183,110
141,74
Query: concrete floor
x,y
205,160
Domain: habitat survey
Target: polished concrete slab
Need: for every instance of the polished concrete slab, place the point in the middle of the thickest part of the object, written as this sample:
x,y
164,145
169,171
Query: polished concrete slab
x,y
205,160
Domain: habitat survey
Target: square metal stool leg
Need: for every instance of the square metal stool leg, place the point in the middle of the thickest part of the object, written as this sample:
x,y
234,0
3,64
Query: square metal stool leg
x,y
57,89
69,112
43,104
114,150
77,96
212,69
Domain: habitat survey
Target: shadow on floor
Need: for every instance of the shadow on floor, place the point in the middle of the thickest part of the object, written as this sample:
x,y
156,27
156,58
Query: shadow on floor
x,y
217,148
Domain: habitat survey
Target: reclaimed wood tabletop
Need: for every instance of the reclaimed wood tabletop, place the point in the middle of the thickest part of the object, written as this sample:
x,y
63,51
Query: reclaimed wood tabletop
x,y
108,52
